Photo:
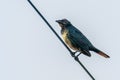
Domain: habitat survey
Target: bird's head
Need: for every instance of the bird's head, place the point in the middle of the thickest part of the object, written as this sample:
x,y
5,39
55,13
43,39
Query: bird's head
x,y
63,23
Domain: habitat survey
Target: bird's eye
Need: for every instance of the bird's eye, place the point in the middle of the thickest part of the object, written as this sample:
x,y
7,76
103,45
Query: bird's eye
x,y
64,22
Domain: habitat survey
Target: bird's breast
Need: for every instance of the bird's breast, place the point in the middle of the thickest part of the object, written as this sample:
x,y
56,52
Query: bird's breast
x,y
67,41
64,35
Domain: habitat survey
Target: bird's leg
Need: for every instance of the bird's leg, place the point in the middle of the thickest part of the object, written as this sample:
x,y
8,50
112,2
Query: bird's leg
x,y
76,57
78,54
74,53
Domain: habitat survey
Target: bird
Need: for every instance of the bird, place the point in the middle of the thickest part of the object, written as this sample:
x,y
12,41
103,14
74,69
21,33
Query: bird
x,y
76,40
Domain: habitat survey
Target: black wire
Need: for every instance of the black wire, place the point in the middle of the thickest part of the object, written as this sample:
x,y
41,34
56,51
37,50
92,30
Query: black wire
x,y
49,26
61,40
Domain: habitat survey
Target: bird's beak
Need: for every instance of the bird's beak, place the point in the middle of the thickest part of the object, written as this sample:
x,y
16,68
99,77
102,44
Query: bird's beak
x,y
58,21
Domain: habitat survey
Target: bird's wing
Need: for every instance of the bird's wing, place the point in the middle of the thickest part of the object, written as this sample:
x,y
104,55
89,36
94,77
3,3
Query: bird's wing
x,y
77,38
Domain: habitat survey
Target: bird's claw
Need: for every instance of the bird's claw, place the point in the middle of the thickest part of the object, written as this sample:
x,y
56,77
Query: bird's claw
x,y
76,56
74,52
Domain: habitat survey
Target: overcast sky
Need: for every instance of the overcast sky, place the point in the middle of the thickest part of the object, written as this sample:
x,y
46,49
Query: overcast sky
x,y
30,51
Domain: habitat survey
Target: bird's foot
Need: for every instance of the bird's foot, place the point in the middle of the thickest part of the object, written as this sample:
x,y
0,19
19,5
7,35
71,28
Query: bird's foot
x,y
73,53
76,56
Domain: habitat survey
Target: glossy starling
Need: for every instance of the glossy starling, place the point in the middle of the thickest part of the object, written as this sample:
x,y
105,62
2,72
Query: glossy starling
x,y
76,40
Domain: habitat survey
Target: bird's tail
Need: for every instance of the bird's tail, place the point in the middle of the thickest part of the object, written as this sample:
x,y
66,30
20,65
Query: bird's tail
x,y
100,52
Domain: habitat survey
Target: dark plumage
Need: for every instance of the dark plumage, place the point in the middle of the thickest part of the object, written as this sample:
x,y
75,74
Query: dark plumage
x,y
76,40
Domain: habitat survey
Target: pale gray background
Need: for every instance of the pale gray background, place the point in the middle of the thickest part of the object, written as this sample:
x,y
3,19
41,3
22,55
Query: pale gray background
x,y
30,51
